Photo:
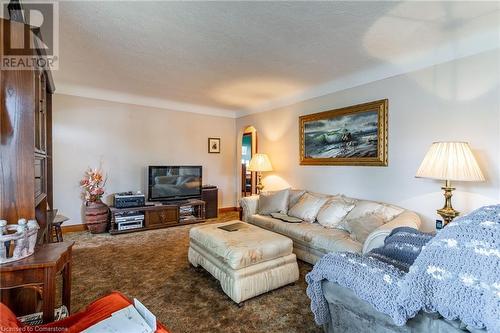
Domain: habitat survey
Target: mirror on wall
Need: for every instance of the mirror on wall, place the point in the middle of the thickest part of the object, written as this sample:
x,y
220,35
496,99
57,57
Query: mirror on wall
x,y
248,149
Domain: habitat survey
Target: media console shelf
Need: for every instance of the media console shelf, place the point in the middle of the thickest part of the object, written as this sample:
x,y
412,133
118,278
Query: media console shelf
x,y
162,216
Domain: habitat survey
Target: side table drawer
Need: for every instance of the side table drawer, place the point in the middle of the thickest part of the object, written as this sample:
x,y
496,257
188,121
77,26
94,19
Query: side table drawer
x,y
21,278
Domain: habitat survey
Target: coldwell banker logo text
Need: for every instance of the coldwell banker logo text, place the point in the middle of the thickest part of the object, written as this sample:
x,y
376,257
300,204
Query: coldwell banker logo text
x,y
38,49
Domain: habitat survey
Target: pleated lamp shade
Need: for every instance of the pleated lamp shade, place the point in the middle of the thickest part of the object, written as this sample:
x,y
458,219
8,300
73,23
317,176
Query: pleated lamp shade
x,y
450,161
260,162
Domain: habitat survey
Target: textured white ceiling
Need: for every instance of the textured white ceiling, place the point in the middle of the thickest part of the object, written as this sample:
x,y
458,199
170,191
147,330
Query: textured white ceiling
x,y
232,58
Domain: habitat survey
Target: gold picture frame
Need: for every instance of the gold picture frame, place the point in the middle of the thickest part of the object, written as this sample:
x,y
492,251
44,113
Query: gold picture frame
x,y
353,135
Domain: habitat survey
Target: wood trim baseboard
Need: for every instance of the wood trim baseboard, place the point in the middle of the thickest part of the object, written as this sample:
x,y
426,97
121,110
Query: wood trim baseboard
x,y
73,228
228,209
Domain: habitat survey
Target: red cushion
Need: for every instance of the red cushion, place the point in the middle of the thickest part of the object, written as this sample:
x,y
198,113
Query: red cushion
x,y
94,313
7,319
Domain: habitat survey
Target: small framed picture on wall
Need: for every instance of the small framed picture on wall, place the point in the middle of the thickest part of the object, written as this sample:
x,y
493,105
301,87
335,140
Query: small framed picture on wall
x,y
214,145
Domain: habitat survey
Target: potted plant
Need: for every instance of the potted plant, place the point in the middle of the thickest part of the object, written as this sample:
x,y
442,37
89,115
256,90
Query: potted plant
x,y
96,212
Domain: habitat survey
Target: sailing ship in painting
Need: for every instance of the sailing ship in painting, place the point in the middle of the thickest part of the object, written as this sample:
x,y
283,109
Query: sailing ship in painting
x,y
346,136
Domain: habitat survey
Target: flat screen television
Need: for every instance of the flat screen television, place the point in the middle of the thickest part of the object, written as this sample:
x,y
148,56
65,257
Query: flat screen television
x,y
172,183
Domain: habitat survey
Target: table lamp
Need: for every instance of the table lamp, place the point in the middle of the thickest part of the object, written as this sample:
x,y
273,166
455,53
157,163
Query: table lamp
x,y
450,161
260,163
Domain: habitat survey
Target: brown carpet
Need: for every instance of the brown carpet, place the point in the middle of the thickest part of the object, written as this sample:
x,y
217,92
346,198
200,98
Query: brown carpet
x,y
152,266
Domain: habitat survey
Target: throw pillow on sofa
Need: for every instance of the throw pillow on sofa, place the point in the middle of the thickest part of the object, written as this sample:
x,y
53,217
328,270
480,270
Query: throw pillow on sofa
x,y
366,217
361,227
333,212
294,197
273,202
307,207
364,207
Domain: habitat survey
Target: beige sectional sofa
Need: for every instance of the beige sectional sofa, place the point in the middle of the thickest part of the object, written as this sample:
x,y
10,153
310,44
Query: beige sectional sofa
x,y
312,240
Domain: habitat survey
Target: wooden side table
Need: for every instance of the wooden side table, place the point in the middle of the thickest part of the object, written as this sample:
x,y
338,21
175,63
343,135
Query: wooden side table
x,y
41,269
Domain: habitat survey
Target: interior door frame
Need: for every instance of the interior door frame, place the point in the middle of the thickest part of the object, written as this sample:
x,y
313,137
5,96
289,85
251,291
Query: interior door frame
x,y
254,150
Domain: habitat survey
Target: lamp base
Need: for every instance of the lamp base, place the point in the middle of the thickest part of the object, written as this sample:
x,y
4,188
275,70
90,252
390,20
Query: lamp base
x,y
447,212
259,186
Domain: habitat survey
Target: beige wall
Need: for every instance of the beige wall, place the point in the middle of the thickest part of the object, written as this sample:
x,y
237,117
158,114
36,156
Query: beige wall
x,y
458,100
128,138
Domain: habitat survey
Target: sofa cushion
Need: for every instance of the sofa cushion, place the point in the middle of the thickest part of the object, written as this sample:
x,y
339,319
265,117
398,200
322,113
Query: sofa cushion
x,y
294,196
307,207
273,202
297,231
286,218
312,235
335,240
334,211
365,207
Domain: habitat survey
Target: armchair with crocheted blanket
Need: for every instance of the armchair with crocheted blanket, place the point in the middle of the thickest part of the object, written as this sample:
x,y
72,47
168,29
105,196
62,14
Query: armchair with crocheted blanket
x,y
415,282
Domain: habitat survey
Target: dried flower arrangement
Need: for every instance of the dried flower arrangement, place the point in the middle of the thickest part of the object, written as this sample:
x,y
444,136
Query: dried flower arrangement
x,y
92,185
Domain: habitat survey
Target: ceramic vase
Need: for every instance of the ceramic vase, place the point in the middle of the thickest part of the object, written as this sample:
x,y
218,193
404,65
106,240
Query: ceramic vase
x,y
96,216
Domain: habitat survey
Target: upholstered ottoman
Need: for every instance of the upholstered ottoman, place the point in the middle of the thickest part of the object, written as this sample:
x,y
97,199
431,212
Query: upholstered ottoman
x,y
247,262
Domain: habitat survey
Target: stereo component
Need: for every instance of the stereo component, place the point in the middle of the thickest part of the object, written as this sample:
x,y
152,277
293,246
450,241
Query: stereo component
x,y
129,200
127,225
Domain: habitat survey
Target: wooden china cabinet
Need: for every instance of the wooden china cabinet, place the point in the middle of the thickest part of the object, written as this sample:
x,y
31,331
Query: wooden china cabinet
x,y
25,141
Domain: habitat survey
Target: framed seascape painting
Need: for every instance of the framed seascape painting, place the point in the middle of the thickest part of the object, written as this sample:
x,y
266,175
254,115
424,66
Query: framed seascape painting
x,y
354,135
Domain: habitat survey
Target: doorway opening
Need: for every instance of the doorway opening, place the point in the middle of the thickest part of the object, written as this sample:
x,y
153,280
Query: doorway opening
x,y
248,149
